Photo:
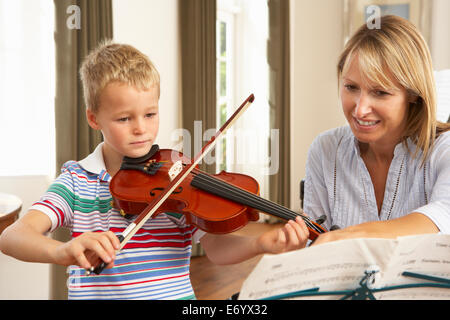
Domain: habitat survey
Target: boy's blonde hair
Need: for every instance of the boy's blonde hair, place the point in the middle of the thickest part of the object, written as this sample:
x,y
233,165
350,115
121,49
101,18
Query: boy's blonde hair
x,y
112,62
398,49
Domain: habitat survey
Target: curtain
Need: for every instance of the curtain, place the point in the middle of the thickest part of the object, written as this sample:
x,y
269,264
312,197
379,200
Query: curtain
x,y
279,97
198,75
74,138
198,69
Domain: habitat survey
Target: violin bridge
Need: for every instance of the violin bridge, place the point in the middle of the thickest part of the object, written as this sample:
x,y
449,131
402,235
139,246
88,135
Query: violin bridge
x,y
175,169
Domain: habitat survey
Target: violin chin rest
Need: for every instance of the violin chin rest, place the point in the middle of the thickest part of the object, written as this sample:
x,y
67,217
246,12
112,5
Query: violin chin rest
x,y
154,149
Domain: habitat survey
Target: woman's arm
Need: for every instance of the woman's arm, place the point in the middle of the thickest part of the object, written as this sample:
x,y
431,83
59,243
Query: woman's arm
x,y
230,249
413,223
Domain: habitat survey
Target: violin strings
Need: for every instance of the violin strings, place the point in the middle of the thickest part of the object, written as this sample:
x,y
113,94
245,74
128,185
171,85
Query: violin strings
x,y
208,183
222,187
253,200
241,196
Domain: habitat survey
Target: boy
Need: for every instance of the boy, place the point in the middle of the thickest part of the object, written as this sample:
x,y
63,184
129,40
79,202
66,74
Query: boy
x,y
121,88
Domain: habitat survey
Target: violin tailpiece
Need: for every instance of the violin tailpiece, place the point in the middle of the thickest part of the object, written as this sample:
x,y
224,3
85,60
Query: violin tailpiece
x,y
149,168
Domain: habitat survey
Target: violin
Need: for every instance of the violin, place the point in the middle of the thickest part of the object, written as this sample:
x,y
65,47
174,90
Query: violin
x,y
138,182
216,203
167,181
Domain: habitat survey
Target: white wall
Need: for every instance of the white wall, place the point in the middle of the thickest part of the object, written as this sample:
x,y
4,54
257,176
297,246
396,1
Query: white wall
x,y
152,27
440,39
23,280
316,42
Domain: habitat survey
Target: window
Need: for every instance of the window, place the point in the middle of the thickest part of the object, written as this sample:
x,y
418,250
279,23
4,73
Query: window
x,y
225,98
27,85
242,33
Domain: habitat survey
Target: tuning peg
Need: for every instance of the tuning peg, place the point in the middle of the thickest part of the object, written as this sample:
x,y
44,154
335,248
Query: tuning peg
x,y
321,219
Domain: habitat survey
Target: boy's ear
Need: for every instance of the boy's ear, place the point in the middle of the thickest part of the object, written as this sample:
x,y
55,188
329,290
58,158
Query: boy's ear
x,y
92,119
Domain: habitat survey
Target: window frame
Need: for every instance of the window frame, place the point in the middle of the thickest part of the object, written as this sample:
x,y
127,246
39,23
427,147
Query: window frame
x,y
225,15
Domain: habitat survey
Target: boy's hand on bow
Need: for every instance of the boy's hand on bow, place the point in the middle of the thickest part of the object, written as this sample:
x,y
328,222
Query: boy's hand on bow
x,y
88,249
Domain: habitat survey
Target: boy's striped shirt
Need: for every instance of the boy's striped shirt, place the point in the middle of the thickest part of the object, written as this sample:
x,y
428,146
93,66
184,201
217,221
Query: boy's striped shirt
x,y
154,264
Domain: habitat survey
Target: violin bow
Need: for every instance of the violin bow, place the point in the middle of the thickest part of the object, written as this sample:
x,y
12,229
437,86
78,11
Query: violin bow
x,y
150,210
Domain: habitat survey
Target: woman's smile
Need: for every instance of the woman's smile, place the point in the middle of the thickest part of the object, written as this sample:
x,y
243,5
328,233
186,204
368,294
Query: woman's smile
x,y
366,125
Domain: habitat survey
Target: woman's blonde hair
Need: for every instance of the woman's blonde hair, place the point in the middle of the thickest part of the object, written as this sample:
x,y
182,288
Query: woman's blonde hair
x,y
398,50
112,62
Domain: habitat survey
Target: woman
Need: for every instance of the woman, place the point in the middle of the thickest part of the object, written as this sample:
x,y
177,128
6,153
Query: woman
x,y
387,173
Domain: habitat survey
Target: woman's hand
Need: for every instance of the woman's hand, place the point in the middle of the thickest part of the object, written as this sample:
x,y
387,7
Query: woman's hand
x,y
340,234
88,249
294,235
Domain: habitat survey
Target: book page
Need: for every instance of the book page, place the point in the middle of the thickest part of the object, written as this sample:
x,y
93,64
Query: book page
x,y
340,265
424,254
331,266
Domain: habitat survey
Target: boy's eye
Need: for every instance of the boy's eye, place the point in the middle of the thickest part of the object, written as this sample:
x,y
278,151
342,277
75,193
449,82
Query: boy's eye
x,y
124,119
150,115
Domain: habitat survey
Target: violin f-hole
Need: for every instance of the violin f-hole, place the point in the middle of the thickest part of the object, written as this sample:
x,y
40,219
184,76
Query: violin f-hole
x,y
178,190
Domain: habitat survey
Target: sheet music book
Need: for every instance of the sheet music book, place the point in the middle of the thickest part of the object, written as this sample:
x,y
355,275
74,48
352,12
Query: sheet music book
x,y
341,265
442,79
